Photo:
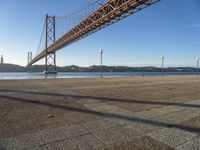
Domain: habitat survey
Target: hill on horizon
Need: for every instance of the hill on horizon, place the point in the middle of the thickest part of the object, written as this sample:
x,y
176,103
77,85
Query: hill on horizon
x,y
73,68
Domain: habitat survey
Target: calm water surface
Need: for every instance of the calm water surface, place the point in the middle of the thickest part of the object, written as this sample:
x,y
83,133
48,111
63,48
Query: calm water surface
x,y
11,76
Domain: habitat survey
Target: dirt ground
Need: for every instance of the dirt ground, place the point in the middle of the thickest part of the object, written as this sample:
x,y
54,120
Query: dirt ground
x,y
32,106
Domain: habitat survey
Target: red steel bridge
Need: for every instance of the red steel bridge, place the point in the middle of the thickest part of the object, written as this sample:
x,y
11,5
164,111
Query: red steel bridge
x,y
91,17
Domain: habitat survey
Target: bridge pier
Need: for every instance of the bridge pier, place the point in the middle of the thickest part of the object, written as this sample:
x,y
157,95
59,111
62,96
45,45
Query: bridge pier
x,y
50,57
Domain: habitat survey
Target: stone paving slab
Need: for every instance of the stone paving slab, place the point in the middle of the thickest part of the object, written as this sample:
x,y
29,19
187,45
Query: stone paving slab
x,y
111,129
43,147
63,145
88,141
119,111
110,136
52,135
105,108
172,137
140,143
193,122
143,127
74,130
18,116
27,141
48,136
66,132
95,126
129,133
180,116
196,102
96,106
193,144
158,111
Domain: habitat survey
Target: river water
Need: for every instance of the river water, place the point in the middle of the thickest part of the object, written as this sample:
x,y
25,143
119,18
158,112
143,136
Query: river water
x,y
12,76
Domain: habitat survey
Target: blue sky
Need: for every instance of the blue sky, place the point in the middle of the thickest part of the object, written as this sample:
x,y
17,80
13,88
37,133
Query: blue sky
x,y
171,27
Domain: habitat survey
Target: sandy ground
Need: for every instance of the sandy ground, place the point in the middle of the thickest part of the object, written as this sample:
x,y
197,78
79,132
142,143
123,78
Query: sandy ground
x,y
110,113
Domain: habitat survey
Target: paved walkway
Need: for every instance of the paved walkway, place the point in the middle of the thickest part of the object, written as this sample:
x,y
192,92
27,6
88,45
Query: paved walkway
x,y
163,127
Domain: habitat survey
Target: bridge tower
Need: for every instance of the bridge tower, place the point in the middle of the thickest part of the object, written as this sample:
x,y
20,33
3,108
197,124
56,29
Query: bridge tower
x,y
50,57
29,57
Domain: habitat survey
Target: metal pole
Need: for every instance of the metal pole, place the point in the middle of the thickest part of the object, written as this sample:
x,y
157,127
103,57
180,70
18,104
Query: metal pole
x,y
197,66
101,53
101,66
162,65
2,59
162,57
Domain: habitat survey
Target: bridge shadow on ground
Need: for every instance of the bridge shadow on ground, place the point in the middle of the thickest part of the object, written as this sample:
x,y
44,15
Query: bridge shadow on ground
x,y
106,99
105,114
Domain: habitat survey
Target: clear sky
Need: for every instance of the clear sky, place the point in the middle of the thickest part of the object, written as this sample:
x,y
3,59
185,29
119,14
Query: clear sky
x,y
171,27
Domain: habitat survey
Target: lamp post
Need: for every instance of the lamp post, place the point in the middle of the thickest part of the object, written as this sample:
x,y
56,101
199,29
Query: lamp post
x,y
197,59
1,59
162,59
101,53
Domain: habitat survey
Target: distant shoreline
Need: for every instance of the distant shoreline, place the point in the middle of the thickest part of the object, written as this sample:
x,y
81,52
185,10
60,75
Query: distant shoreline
x,y
67,69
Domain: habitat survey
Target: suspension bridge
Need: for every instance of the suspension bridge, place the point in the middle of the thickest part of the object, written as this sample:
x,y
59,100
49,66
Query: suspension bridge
x,y
59,32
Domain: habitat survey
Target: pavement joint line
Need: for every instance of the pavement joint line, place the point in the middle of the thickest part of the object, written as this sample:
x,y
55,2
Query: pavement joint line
x,y
33,119
37,146
74,141
85,128
96,136
79,135
77,145
45,143
99,139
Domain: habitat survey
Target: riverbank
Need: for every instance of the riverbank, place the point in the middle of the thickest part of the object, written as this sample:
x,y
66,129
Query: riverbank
x,y
93,113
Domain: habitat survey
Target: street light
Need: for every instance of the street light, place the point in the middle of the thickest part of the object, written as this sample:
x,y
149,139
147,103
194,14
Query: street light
x,y
162,59
101,53
1,59
197,59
